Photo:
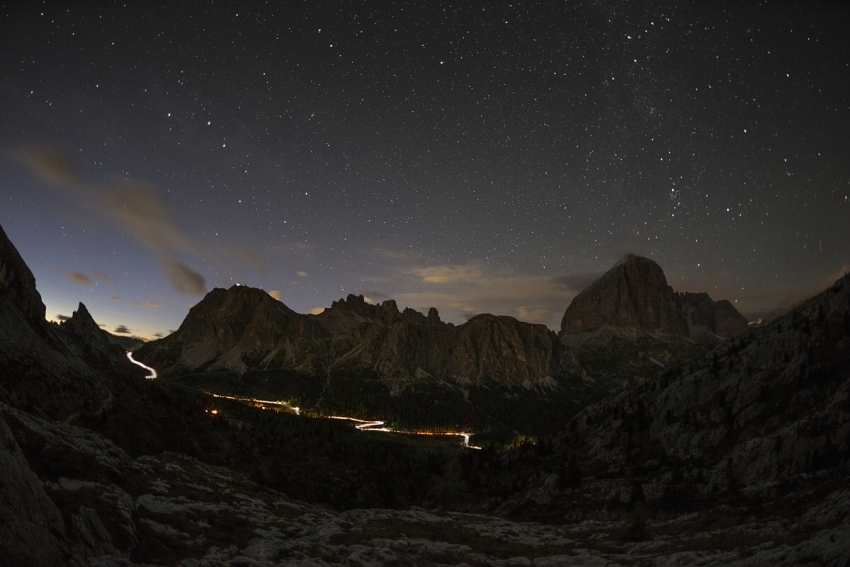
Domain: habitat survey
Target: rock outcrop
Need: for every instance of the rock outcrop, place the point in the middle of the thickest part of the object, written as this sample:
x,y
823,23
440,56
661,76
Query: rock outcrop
x,y
31,528
244,328
90,343
719,318
629,324
17,284
40,370
231,329
635,294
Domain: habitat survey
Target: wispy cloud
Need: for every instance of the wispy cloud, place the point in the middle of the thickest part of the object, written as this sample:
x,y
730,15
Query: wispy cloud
x,y
183,278
147,304
460,291
114,297
302,274
374,294
100,276
132,206
77,277
61,317
122,330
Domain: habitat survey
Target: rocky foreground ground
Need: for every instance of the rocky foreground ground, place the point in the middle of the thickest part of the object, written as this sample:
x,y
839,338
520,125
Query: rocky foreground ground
x,y
171,509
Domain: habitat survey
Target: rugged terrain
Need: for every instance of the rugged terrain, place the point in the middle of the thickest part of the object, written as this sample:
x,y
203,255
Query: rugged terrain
x,y
493,373
243,328
738,457
374,362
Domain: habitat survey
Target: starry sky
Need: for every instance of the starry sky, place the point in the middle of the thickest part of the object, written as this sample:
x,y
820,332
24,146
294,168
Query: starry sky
x,y
472,156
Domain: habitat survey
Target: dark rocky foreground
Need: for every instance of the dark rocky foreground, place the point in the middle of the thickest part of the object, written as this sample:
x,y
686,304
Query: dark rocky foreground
x,y
106,508
738,457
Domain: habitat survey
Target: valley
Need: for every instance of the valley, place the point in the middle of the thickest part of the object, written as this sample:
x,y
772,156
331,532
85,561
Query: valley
x,y
273,438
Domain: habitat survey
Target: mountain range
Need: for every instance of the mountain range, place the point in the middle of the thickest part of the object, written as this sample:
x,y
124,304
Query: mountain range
x,y
621,329
737,455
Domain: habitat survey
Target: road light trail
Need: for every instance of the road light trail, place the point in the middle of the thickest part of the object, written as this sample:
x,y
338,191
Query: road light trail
x,y
137,363
366,425
295,410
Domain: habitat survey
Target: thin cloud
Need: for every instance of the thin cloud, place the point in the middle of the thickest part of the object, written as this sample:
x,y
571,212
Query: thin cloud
x,y
183,278
302,274
448,274
576,282
51,164
114,297
460,291
77,277
374,294
245,256
122,330
158,335
61,317
100,276
532,315
133,207
147,304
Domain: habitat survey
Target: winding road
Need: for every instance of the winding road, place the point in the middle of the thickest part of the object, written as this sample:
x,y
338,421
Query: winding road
x,y
152,374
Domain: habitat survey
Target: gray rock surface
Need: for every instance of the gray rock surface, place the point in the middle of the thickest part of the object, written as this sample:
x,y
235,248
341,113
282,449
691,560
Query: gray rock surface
x,y
31,528
635,294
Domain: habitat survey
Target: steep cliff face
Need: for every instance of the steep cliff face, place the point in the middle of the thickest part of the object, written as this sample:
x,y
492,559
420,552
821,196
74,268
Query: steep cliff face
x,y
17,284
39,369
485,350
634,293
717,317
629,324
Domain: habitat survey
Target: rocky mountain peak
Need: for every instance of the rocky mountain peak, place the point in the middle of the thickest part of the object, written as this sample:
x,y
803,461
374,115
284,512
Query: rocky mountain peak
x,y
634,293
386,310
224,315
17,284
81,320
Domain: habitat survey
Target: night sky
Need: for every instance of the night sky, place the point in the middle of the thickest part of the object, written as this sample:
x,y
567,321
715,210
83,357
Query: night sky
x,y
472,156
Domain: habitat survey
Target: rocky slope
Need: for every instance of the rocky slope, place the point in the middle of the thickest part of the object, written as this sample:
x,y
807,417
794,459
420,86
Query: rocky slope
x,y
40,370
169,509
629,324
88,342
757,428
